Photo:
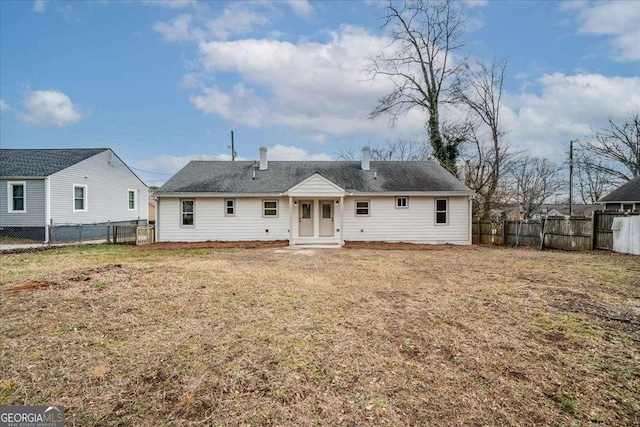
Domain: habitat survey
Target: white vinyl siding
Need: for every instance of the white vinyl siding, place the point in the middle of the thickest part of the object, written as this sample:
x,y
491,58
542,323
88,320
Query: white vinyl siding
x,y
80,198
34,214
315,186
108,181
212,224
17,194
416,225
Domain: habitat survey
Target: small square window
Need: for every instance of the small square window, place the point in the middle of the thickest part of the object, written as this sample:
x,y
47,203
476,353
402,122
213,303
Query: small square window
x,y
17,197
230,207
441,211
79,198
188,213
362,208
402,202
270,208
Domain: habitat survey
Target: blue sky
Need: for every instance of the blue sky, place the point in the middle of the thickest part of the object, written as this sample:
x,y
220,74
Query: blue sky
x,y
163,82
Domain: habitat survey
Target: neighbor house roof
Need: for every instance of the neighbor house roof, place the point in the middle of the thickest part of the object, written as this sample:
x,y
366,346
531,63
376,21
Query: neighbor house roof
x,y
42,162
237,177
564,209
627,192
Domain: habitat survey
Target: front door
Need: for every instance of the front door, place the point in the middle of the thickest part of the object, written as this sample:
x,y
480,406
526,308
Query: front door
x,y
326,219
305,216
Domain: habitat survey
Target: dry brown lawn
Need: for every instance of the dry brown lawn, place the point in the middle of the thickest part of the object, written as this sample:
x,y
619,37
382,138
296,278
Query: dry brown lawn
x,y
473,336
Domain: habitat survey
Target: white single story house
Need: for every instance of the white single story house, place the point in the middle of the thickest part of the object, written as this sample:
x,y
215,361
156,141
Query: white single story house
x,y
79,186
314,202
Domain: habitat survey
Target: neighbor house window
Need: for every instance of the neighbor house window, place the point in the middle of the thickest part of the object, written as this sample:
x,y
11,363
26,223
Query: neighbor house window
x,y
132,200
16,193
188,212
441,211
402,202
362,208
627,207
79,198
230,207
270,208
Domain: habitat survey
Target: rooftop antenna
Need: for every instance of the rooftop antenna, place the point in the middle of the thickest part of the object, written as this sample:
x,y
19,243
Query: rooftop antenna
x,y
233,149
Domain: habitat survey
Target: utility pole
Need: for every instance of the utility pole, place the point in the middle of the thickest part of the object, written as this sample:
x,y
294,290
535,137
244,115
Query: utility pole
x,y
571,178
233,148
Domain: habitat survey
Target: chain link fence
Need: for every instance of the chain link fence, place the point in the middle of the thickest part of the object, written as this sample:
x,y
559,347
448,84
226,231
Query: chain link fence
x,y
58,233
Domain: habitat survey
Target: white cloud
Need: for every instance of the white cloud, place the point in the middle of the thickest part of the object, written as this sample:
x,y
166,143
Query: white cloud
x,y
40,5
476,3
566,107
172,4
172,164
4,106
617,20
166,164
50,107
235,19
289,152
301,8
314,88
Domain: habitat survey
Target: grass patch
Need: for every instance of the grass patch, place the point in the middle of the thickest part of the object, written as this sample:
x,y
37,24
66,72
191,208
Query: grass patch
x,y
341,337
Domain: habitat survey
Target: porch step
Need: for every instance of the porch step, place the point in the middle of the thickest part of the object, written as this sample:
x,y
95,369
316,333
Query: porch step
x,y
315,246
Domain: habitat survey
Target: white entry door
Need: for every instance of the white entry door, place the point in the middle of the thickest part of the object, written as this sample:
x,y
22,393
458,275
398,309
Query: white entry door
x,y
326,219
305,217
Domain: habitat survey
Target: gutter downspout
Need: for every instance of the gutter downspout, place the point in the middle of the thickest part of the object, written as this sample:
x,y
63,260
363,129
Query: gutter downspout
x,y
47,208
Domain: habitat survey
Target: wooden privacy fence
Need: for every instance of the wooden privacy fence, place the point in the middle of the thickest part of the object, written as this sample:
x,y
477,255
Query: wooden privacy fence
x,y
133,234
572,234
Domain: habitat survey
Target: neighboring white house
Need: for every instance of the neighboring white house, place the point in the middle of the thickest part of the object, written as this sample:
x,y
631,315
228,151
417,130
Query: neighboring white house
x,y
39,187
314,202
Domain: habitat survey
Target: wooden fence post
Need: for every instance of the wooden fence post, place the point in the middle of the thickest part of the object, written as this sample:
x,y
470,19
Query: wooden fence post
x,y
594,221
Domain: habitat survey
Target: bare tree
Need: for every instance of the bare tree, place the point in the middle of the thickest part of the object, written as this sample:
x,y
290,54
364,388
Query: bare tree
x,y
425,34
481,93
615,151
533,180
593,182
400,149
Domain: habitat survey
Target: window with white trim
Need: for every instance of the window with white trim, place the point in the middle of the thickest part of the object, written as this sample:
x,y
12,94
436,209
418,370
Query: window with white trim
x,y
132,200
402,202
16,192
230,207
442,214
362,207
187,212
270,208
79,198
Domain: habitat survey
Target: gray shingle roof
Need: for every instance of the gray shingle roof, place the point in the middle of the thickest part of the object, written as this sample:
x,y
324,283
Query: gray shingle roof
x,y
237,177
627,192
41,162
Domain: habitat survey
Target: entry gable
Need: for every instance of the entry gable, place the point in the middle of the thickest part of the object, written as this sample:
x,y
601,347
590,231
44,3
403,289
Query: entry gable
x,y
316,186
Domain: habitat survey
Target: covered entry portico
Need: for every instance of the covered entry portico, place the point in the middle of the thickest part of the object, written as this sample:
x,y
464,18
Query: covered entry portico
x,y
316,212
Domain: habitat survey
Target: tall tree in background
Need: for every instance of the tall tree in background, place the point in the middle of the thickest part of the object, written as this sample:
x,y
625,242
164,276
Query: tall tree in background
x,y
425,34
481,92
615,152
592,180
532,181
400,149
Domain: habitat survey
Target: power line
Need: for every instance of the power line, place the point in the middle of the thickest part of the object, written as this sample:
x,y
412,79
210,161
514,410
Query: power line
x,y
156,173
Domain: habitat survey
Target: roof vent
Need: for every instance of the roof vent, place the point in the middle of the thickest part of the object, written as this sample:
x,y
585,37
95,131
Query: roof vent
x,y
263,158
365,158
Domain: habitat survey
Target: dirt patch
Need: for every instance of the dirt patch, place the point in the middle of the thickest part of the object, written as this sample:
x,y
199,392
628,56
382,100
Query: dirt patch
x,y
407,246
35,285
213,245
